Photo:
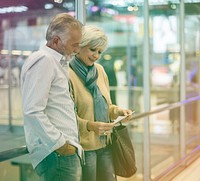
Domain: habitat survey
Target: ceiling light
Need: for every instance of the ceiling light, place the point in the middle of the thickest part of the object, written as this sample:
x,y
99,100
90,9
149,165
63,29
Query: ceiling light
x,y
48,6
13,9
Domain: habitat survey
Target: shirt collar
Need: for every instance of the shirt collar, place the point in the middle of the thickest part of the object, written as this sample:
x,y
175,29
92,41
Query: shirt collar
x,y
54,53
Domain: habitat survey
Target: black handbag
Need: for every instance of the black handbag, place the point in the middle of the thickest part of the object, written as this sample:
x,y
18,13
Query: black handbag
x,y
122,152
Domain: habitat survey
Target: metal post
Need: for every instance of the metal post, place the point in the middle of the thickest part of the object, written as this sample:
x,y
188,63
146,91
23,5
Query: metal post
x,y
182,80
146,92
128,66
80,10
9,79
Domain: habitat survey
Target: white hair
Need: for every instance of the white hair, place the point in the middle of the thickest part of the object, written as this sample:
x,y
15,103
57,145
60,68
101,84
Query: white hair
x,y
60,25
94,37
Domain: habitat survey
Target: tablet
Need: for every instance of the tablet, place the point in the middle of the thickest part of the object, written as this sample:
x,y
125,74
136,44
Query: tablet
x,y
121,118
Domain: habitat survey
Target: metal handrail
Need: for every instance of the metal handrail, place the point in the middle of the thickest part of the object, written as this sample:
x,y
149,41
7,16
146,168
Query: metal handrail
x,y
165,108
12,153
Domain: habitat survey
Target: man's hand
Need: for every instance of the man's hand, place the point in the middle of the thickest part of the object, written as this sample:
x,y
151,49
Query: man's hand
x,y
66,149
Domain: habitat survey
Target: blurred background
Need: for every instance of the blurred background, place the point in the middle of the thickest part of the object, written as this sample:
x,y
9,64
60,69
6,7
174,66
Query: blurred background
x,y
152,61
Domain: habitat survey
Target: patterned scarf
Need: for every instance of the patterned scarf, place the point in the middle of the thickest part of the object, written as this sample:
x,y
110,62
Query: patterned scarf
x,y
89,75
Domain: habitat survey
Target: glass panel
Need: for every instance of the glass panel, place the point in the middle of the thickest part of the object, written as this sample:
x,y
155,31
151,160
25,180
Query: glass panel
x,y
192,126
164,149
123,23
164,141
164,51
192,57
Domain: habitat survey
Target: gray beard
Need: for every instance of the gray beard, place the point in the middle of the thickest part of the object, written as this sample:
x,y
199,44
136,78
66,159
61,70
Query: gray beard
x,y
69,57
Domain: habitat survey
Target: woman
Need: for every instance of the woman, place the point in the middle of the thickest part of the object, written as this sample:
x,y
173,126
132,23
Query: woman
x,y
90,89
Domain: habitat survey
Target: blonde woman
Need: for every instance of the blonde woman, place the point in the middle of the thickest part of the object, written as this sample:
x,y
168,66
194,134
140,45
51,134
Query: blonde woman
x,y
95,111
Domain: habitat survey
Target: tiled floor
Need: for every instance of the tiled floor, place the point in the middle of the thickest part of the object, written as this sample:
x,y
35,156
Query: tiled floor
x,y
191,173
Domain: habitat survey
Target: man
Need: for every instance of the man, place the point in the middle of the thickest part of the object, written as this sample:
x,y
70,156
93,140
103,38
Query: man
x,y
50,123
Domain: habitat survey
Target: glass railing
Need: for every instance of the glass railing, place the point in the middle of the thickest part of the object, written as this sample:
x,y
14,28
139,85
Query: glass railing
x,y
170,130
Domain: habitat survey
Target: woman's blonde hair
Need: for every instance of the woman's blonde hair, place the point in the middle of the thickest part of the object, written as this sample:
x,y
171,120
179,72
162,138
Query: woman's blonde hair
x,y
94,37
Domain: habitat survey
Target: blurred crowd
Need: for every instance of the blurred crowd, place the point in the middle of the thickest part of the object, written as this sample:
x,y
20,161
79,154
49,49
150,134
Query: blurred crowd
x,y
10,66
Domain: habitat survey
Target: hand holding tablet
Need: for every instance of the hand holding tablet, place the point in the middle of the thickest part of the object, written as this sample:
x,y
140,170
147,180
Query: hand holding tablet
x,y
121,118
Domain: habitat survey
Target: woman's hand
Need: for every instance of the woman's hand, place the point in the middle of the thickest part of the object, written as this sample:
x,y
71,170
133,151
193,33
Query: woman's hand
x,y
100,128
125,112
